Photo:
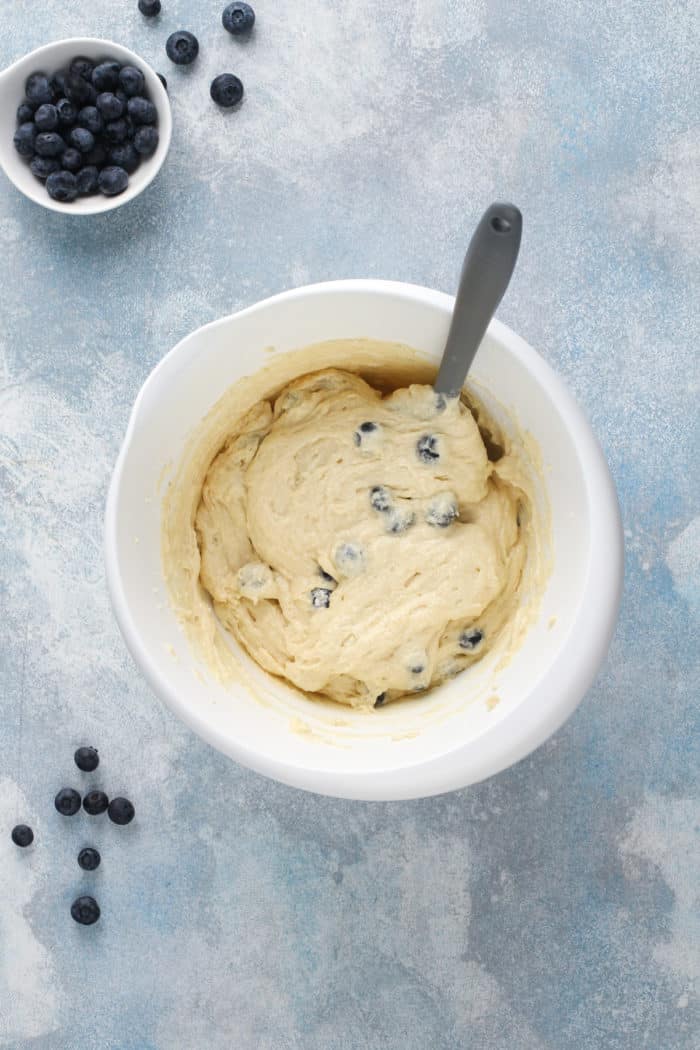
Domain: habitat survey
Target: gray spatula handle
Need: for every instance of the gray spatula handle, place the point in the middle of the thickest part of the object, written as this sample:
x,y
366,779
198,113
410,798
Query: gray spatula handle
x,y
486,273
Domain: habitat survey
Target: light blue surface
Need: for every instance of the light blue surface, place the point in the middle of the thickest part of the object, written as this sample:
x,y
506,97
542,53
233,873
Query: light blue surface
x,y
554,906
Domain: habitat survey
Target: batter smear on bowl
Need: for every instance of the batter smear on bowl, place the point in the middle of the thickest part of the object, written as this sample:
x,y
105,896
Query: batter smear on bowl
x,y
363,545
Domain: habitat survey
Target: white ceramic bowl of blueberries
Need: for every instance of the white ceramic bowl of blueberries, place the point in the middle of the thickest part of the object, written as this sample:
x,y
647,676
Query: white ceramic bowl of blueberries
x,y
85,125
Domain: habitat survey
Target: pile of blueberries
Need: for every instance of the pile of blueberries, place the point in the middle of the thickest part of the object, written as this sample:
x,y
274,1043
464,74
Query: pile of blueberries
x,y
85,129
85,910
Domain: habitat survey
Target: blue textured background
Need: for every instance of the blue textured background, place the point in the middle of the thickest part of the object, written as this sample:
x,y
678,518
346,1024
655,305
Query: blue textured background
x,y
555,906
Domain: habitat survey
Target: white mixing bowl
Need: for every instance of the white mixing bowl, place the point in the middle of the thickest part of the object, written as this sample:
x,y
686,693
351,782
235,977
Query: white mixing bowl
x,y
49,59
467,729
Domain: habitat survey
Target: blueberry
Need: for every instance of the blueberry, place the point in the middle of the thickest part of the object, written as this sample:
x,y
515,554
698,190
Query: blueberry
x,y
120,811
470,639
85,910
86,180
116,131
380,498
42,167
95,802
79,91
49,144
363,430
163,81
125,156
25,113
109,105
131,80
82,139
67,801
105,77
46,117
90,117
381,700
25,139
146,140
182,47
142,111
67,112
149,8
350,558
417,668
238,18
82,67
38,89
89,858
87,759
320,597
442,511
226,90
440,402
71,160
399,521
427,448
58,85
22,835
325,575
97,156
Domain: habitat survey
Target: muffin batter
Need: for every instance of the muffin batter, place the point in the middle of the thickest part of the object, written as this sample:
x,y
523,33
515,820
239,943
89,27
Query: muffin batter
x,y
363,546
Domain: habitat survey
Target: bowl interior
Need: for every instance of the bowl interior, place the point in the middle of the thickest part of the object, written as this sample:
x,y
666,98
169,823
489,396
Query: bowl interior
x,y
49,59
459,733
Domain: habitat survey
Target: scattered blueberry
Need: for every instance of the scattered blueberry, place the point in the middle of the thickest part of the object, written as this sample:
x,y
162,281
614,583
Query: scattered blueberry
x,y
131,80
82,67
320,597
105,77
90,118
427,448
350,558
112,180
89,858
67,112
46,117
325,575
85,910
87,759
238,18
82,139
142,111
442,511
67,801
226,90
399,520
163,81
49,144
125,156
380,498
440,402
78,90
116,131
470,639
25,112
71,160
42,167
381,700
149,8
417,668
61,186
22,835
25,139
120,811
38,89
146,140
109,105
182,47
86,181
95,802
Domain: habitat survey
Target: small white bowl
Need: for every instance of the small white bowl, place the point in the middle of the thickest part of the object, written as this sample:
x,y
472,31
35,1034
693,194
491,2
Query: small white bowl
x,y
456,734
49,59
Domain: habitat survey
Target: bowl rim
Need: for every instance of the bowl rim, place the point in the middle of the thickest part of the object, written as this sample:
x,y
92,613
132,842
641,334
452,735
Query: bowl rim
x,y
99,204
560,688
